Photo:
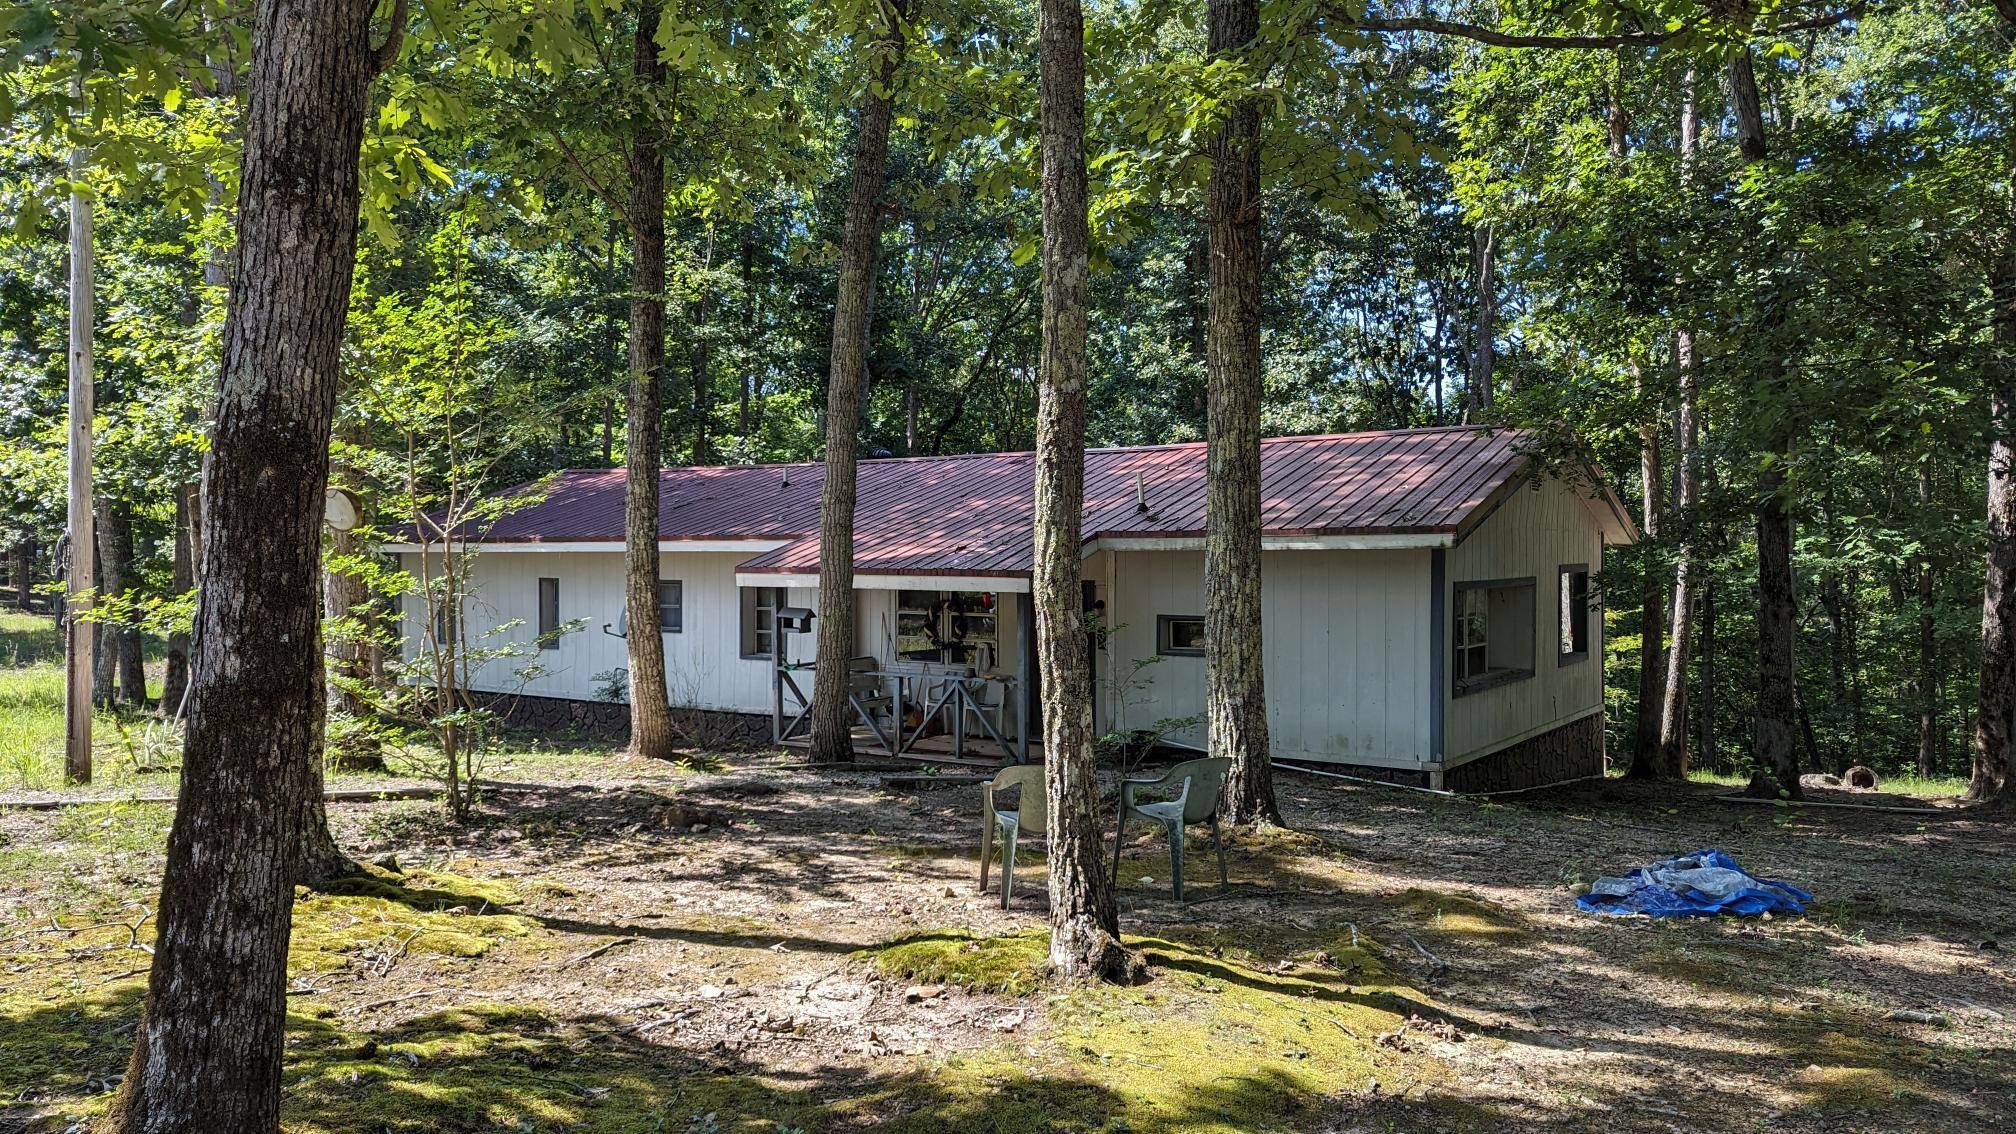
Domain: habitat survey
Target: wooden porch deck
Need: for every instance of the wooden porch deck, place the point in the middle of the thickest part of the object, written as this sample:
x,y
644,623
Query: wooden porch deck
x,y
979,752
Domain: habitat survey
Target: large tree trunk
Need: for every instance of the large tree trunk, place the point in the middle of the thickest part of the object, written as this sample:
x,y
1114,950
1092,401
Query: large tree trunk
x,y
1651,595
208,1051
80,655
1996,704
1671,757
651,729
1084,922
853,307
1235,696
1775,746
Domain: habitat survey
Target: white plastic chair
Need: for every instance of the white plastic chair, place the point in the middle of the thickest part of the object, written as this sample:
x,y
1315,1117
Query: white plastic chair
x,y
1197,784
1030,814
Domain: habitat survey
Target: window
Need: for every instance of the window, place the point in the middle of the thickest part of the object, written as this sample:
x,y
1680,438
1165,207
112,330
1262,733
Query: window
x,y
1180,635
1574,613
549,614
759,621
948,626
671,606
1493,633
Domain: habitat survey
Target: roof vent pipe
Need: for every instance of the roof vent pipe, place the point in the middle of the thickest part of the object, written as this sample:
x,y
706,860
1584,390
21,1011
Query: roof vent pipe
x,y
1140,493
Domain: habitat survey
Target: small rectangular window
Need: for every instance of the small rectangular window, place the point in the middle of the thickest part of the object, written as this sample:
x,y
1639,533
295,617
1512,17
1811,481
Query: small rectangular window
x,y
1574,613
549,614
759,621
671,606
1493,639
1179,635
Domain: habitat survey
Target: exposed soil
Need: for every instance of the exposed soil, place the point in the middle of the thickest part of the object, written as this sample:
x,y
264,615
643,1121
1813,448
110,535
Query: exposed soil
x,y
707,921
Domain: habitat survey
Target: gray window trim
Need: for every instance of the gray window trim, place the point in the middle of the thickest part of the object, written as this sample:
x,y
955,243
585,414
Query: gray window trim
x,y
1162,639
1463,687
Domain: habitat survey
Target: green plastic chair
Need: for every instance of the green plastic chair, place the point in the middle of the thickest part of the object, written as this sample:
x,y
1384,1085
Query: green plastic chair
x,y
1026,780
1196,784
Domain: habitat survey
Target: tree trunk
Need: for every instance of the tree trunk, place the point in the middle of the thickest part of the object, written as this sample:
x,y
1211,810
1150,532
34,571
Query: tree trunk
x,y
125,640
208,1051
853,307
320,860
1484,337
104,635
703,380
1775,747
1928,642
1084,922
1710,742
1235,701
1996,704
24,573
651,728
175,674
747,371
1671,759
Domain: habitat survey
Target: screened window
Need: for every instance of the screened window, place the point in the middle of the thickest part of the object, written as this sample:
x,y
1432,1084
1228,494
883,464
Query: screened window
x,y
759,621
549,614
1574,613
671,606
1179,635
1493,627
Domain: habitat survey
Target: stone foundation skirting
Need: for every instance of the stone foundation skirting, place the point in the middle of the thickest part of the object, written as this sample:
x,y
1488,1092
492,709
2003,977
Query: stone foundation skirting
x,y
1571,752
610,720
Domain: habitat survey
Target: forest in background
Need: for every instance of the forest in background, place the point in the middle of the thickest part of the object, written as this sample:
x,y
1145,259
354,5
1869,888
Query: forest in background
x,y
1452,231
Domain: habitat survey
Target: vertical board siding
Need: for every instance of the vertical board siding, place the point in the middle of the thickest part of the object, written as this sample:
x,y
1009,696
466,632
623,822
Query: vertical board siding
x,y
704,666
1347,661
1537,530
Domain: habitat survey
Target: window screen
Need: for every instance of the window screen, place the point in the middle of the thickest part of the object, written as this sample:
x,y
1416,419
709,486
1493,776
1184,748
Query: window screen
x,y
671,606
1574,613
549,614
759,621
1493,633
1179,635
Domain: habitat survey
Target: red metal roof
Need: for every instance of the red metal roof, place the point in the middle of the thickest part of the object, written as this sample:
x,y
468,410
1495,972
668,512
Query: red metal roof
x,y
971,514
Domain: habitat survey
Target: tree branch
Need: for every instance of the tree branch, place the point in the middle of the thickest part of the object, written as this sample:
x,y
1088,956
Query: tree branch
x,y
1494,38
395,36
2007,8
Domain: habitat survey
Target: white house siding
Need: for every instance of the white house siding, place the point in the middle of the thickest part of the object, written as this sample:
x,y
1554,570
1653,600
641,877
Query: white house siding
x,y
703,662
1539,528
1345,643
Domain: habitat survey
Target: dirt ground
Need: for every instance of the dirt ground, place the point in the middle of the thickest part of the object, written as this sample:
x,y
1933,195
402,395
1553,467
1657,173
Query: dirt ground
x,y
641,946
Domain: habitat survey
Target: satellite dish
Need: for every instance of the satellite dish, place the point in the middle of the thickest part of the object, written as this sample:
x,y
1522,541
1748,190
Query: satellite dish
x,y
341,509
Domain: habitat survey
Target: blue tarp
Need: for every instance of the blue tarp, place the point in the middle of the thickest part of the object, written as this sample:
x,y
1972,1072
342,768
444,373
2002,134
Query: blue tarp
x,y
1701,884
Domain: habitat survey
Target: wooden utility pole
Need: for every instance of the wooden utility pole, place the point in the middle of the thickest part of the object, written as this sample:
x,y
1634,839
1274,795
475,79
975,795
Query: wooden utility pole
x,y
78,660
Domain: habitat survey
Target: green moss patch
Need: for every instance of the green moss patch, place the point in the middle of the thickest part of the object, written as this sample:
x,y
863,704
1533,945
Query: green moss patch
x,y
1011,965
1209,1046
1461,915
421,912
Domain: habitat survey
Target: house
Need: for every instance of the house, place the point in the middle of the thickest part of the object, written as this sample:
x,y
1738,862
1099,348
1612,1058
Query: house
x,y
1428,609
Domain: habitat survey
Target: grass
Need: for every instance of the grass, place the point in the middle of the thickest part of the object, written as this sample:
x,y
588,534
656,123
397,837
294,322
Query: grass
x,y
1909,784
31,719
